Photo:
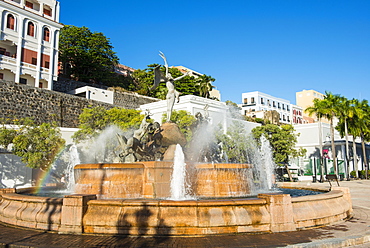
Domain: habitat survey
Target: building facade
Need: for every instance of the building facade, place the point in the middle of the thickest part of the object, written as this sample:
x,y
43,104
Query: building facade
x,y
309,139
29,37
257,104
304,99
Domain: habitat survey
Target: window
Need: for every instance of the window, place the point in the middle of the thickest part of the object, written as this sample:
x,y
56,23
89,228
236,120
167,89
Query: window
x,y
47,12
10,22
23,81
29,4
40,85
261,100
34,61
31,29
268,102
245,100
2,51
46,34
278,105
47,64
252,100
273,104
1,76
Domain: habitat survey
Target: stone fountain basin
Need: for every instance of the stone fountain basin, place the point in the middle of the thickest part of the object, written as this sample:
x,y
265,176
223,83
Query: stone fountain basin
x,y
152,179
81,213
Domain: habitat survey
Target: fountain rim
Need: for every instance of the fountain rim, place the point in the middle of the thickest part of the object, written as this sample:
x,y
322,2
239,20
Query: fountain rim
x,y
154,164
21,194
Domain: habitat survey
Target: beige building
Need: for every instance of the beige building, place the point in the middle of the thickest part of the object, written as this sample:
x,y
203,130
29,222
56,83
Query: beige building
x,y
304,99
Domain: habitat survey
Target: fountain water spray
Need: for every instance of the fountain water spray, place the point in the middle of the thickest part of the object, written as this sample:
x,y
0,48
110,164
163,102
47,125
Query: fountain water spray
x,y
74,159
267,162
178,179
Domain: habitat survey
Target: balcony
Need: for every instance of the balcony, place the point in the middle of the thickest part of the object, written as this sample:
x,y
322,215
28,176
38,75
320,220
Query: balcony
x,y
8,59
249,104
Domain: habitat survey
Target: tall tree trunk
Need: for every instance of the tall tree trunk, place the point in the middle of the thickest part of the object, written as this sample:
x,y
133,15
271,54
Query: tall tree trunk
x,y
364,154
320,154
347,149
333,148
354,148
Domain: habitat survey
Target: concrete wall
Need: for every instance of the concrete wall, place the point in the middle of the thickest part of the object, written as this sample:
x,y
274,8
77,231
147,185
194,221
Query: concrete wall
x,y
13,173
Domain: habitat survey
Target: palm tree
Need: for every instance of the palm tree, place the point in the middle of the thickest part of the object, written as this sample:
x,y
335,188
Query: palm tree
x,y
363,128
327,108
205,85
347,112
317,110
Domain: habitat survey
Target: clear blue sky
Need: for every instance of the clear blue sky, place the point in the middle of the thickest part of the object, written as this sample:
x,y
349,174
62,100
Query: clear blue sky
x,y
277,47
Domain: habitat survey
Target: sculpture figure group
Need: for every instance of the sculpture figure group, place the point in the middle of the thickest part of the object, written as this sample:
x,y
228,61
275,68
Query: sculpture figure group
x,y
144,145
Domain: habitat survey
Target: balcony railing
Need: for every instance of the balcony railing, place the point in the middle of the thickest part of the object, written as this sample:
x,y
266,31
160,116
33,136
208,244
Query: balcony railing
x,y
8,59
249,104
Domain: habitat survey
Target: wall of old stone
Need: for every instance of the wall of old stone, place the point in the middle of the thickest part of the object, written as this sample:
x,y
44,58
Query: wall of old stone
x,y
66,85
20,101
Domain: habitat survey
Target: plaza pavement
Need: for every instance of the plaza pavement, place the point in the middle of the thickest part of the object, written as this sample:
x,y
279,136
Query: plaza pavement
x,y
351,233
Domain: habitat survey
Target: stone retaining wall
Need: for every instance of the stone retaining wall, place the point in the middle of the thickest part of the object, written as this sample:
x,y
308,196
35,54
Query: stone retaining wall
x,y
20,101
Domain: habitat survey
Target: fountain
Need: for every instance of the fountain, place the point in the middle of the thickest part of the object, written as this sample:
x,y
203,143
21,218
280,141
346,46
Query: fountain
x,y
153,189
203,197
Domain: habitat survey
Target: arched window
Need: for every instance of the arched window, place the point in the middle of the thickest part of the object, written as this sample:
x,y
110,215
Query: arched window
x,y
31,29
46,34
10,21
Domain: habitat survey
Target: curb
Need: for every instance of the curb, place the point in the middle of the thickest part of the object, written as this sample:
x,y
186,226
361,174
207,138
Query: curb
x,y
336,242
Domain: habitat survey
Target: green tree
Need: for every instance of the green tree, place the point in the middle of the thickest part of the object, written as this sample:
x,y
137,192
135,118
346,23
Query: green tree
x,y
36,145
184,120
234,142
362,128
327,108
234,109
345,112
94,120
189,85
204,83
353,116
86,56
282,140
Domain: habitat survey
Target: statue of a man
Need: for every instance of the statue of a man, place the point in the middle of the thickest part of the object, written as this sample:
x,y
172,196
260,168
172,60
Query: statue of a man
x,y
172,93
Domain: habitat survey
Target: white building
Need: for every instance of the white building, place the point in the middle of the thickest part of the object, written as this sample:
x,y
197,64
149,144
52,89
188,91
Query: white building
x,y
93,93
256,104
309,139
29,37
216,111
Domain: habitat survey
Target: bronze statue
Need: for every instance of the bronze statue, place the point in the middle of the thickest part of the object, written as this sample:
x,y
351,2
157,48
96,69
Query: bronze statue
x,y
172,93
